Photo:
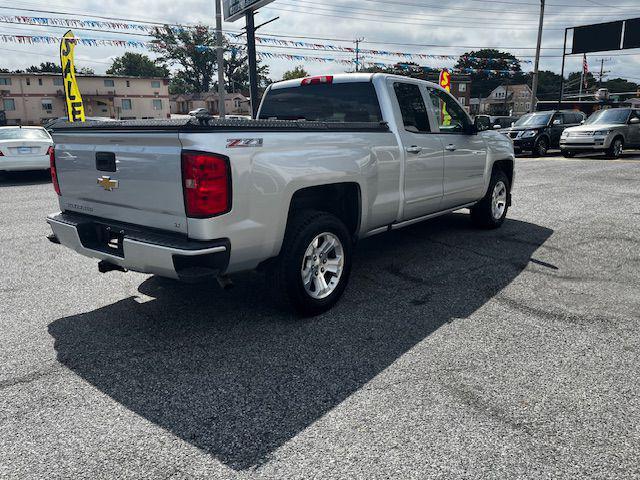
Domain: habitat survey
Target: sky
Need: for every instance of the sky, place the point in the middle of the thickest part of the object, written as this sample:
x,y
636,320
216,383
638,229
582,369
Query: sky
x,y
416,26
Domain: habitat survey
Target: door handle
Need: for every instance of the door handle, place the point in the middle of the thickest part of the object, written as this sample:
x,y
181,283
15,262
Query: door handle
x,y
413,149
451,147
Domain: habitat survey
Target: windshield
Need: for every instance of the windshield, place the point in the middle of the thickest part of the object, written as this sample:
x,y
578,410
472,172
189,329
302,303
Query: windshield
x,y
615,115
23,134
533,120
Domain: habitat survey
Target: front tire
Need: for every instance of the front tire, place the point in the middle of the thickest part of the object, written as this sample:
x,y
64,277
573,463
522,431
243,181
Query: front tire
x,y
312,270
541,147
491,211
616,148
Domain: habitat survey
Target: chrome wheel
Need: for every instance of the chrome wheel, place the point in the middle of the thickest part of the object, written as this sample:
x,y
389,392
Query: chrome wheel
x,y
322,265
499,200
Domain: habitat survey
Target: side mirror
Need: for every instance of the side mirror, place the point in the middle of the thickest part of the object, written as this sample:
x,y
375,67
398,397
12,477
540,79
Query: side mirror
x,y
557,121
497,126
582,122
634,121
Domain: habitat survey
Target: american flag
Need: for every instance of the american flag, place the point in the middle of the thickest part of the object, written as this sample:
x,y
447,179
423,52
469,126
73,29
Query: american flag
x,y
585,69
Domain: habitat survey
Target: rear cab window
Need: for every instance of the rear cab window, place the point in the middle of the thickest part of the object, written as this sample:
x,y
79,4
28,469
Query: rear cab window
x,y
323,102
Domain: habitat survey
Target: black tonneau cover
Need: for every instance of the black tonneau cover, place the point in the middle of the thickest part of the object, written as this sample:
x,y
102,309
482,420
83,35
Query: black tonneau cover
x,y
208,124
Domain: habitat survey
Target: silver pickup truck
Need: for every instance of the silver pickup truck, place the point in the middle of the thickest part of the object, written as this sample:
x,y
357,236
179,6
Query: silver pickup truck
x,y
328,161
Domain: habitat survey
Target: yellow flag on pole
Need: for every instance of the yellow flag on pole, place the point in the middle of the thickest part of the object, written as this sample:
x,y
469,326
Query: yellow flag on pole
x,y
75,108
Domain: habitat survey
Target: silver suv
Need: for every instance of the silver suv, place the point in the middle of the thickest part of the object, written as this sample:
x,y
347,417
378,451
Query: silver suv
x,y
609,131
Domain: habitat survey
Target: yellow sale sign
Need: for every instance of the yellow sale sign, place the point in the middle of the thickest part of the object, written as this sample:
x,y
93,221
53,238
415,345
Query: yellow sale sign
x,y
75,108
445,82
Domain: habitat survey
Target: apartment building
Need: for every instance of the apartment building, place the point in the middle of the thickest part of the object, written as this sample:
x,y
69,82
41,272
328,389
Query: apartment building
x,y
35,98
507,100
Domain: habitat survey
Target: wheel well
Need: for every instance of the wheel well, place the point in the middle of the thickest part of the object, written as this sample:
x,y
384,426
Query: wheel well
x,y
339,199
507,167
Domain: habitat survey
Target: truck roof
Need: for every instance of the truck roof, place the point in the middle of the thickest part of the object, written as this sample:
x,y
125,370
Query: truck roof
x,y
347,78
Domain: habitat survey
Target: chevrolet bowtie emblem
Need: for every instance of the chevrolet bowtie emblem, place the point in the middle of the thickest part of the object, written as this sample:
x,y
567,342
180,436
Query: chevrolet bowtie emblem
x,y
108,184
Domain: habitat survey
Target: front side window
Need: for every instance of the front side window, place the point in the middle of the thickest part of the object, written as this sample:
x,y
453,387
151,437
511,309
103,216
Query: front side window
x,y
126,104
9,104
451,116
412,107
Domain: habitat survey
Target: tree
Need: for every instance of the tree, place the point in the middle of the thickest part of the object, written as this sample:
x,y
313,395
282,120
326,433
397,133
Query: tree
x,y
617,85
193,49
298,72
86,71
480,61
548,84
137,65
45,67
236,69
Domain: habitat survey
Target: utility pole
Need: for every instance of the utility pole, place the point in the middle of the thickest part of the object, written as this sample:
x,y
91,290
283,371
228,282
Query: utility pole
x,y
534,80
253,63
222,94
357,42
601,73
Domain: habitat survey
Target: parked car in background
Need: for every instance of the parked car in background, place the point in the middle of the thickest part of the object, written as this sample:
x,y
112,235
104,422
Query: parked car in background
x,y
498,121
539,131
24,148
199,111
609,131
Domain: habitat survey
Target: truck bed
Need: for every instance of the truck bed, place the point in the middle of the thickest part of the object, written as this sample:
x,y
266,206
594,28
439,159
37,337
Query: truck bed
x,y
208,124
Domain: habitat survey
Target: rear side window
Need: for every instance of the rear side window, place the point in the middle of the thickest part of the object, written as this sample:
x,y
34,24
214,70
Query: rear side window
x,y
324,102
412,107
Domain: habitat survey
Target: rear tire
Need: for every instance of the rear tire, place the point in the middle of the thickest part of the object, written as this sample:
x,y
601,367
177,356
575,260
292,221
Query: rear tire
x,y
312,270
568,154
491,211
616,148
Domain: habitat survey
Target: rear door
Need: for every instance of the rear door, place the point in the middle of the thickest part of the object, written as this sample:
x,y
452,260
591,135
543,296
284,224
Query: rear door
x,y
465,154
422,150
133,177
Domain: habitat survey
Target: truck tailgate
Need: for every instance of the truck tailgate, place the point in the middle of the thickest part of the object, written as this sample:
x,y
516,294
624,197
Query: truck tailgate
x,y
131,177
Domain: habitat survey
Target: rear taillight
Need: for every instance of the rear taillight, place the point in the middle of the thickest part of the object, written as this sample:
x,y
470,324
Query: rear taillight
x,y
206,181
54,174
317,80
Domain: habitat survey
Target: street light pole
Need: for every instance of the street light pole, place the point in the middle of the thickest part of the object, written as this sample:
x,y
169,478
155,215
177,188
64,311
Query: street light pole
x,y
534,80
222,94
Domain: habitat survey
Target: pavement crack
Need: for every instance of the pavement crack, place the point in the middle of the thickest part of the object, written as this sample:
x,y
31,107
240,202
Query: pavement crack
x,y
30,377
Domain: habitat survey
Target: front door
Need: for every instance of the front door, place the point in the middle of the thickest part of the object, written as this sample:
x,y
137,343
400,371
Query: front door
x,y
423,154
465,153
633,138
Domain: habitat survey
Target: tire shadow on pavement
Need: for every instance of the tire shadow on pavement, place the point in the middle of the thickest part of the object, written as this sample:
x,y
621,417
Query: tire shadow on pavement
x,y
229,374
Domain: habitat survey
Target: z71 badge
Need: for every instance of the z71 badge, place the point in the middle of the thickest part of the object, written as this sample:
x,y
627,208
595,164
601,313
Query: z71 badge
x,y
244,142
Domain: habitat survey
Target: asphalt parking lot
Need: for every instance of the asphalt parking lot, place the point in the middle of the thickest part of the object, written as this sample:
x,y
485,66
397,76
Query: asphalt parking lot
x,y
455,353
